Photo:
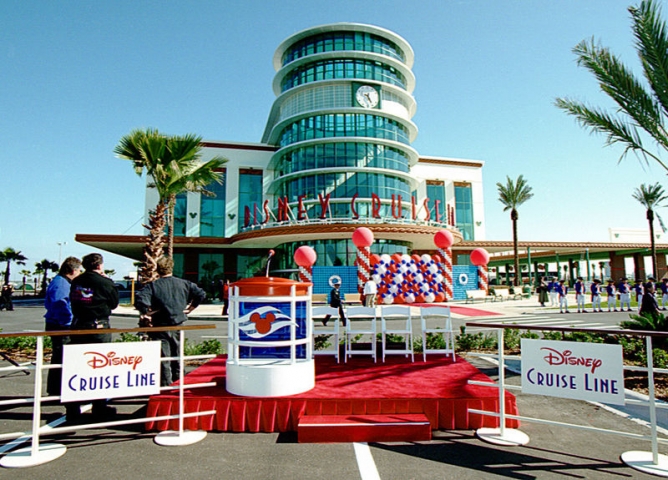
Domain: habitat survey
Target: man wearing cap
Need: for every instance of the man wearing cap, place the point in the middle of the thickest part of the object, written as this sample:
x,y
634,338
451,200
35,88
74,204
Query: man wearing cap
x,y
335,302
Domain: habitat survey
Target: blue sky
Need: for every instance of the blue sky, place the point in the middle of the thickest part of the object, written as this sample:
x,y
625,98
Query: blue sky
x,y
76,76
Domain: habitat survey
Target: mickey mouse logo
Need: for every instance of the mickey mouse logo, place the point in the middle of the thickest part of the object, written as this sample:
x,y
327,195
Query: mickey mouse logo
x,y
263,325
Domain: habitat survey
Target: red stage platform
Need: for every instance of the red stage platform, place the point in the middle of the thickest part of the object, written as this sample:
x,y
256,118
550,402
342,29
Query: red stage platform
x,y
437,388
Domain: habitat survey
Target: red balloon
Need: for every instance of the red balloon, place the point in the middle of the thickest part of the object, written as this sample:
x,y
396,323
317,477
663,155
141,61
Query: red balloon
x,y
440,296
443,239
399,299
437,258
305,256
479,257
374,260
416,258
419,299
396,257
362,237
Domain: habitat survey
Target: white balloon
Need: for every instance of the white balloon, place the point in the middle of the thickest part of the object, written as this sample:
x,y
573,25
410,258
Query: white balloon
x,y
403,268
397,278
430,297
405,258
385,259
394,288
433,268
409,297
439,278
419,278
387,299
426,258
375,278
381,269
412,267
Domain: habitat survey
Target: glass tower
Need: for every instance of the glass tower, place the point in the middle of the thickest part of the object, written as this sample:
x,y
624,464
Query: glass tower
x,y
342,122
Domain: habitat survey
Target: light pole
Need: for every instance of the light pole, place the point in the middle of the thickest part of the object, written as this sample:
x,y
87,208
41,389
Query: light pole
x,y
60,251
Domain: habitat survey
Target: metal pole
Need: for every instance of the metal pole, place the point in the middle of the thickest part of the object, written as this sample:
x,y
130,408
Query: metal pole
x,y
588,265
529,262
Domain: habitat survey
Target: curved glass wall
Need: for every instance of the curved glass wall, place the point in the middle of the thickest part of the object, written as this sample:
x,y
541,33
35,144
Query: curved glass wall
x,y
333,253
343,155
344,185
344,125
339,41
343,68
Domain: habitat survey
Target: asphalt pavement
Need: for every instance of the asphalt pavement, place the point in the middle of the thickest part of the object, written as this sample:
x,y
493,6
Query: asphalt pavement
x,y
129,452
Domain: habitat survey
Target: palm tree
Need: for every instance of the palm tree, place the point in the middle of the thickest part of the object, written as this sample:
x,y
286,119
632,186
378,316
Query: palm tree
x,y
26,275
10,255
42,268
640,112
174,166
512,195
651,197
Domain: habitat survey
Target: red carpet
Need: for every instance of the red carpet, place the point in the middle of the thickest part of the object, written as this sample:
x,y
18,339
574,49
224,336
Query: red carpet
x,y
437,388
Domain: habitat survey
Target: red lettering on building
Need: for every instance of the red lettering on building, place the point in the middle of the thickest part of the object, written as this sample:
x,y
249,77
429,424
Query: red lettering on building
x,y
352,206
396,207
283,209
301,211
375,205
324,204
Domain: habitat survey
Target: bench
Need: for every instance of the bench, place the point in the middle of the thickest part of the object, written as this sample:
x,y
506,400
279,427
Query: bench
x,y
352,298
473,295
501,293
319,299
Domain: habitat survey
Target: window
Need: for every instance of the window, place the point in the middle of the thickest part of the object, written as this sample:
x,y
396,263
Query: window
x,y
180,213
212,210
250,197
464,210
436,193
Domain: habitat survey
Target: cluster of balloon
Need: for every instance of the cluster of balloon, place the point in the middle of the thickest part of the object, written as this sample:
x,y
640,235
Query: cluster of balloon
x,y
408,278
305,258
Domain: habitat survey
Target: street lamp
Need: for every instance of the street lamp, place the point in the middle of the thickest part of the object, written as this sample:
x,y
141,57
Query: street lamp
x,y
60,251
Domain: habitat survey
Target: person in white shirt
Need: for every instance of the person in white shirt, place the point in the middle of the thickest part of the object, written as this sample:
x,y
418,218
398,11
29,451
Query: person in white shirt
x,y
370,291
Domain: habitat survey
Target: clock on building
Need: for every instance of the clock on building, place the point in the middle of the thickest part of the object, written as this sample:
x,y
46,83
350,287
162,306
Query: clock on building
x,y
367,96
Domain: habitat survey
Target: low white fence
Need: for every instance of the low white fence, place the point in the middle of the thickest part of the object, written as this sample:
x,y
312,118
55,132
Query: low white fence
x,y
649,462
39,453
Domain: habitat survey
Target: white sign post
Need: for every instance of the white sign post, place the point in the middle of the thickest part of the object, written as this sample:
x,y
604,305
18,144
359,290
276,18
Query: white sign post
x,y
577,370
110,370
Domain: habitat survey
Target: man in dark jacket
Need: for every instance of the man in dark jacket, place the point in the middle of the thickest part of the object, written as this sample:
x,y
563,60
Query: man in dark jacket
x,y
92,298
166,302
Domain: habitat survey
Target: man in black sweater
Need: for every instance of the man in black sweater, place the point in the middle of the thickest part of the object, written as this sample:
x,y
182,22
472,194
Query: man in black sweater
x,y
92,297
166,302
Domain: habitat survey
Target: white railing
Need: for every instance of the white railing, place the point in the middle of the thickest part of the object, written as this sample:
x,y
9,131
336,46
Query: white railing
x,y
648,462
39,453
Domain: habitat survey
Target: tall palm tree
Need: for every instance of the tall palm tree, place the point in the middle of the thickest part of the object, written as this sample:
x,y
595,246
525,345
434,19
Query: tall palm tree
x,y
10,255
42,268
174,166
512,195
641,112
651,197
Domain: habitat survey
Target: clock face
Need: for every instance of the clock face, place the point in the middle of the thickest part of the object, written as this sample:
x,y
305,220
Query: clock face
x,y
367,96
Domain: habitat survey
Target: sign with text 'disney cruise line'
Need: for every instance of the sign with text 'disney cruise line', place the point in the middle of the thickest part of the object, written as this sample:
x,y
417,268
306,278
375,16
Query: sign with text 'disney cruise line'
x,y
577,370
110,370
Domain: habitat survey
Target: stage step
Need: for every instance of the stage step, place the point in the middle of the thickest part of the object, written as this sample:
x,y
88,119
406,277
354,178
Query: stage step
x,y
397,427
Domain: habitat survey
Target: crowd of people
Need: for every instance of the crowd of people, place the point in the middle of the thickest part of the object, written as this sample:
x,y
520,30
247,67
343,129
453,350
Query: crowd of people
x,y
618,295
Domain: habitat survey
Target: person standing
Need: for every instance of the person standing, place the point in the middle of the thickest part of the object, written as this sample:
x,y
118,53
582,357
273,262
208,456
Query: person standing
x,y
596,296
370,292
562,292
7,292
649,305
93,297
166,302
624,295
663,286
543,297
580,295
226,297
58,316
611,292
638,288
551,289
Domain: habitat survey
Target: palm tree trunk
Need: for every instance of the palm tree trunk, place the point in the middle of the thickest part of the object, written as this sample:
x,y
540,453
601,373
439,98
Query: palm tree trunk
x,y
650,219
170,226
516,255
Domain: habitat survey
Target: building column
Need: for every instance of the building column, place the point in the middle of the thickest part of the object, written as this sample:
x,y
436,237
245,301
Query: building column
x,y
639,266
617,266
661,266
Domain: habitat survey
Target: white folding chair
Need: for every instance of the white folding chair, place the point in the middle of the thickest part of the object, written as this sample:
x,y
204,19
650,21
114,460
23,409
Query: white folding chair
x,y
396,320
361,322
331,330
437,321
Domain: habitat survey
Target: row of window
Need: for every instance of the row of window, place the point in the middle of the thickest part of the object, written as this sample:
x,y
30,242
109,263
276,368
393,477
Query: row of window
x,y
342,155
338,41
334,253
345,185
211,214
343,68
344,125
464,211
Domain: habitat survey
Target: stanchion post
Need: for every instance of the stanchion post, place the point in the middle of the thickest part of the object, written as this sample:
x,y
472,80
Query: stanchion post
x,y
649,462
171,438
502,436
36,454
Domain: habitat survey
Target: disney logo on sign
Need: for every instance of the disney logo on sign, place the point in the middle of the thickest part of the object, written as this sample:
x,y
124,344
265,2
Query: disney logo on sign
x,y
100,360
555,357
